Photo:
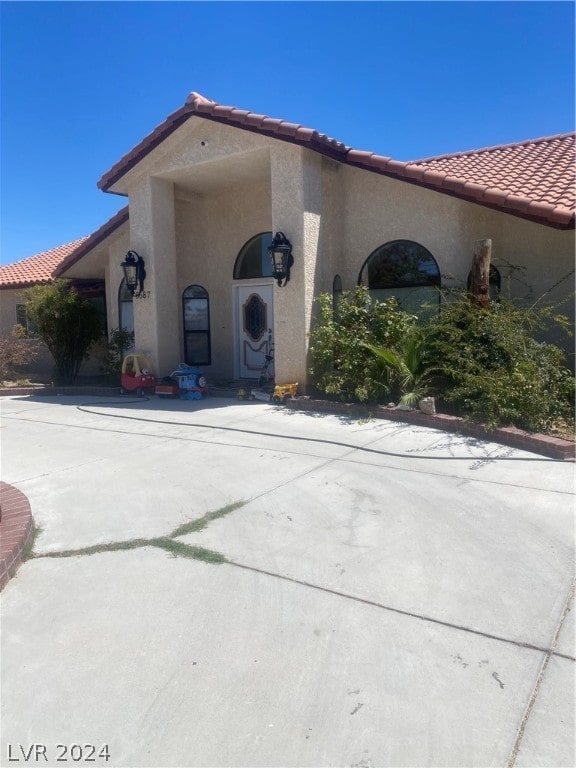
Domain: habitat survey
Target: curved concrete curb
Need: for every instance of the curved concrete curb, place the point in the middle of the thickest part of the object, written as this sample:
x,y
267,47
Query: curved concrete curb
x,y
546,445
16,526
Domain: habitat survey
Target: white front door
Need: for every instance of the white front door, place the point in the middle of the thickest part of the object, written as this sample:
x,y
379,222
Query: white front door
x,y
255,324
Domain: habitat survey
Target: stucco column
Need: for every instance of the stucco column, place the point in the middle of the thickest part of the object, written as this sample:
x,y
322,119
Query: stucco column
x,y
152,235
296,188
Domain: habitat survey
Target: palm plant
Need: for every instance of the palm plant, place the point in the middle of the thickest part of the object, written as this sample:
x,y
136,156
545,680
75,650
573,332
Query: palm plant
x,y
403,367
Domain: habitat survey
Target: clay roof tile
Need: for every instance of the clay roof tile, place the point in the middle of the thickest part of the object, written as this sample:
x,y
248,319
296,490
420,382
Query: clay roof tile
x,y
270,124
358,156
253,119
36,269
305,134
288,129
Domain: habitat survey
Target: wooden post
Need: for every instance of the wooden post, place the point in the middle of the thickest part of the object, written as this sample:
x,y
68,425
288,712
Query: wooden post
x,y
480,274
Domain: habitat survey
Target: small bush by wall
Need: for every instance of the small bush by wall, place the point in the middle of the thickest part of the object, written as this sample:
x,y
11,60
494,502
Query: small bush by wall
x,y
489,365
342,365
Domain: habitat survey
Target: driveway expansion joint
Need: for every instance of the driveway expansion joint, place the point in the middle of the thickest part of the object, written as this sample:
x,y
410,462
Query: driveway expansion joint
x,y
410,614
535,691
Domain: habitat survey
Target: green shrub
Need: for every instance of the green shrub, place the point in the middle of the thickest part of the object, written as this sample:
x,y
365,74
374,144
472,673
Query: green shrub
x,y
489,366
402,367
342,365
67,323
120,342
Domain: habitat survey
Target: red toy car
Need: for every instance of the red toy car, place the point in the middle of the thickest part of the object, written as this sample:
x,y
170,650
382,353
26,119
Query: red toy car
x,y
137,375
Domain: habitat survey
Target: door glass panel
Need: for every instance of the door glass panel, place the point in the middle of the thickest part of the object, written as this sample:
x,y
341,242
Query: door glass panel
x,y
255,321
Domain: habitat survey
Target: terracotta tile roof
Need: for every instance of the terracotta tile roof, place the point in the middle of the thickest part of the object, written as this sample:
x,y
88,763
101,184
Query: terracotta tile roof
x,y
36,269
537,176
44,267
533,179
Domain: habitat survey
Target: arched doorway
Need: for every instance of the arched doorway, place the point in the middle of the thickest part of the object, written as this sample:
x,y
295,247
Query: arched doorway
x,y
253,300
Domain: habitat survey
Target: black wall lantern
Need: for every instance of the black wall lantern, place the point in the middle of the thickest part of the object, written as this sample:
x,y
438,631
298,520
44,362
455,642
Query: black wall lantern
x,y
280,252
134,272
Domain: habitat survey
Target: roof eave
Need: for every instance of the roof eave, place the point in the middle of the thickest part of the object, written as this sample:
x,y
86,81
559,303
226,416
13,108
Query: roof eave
x,y
132,158
93,240
245,121
20,286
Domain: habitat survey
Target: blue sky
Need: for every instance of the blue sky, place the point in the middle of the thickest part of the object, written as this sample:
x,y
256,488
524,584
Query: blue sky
x,y
83,82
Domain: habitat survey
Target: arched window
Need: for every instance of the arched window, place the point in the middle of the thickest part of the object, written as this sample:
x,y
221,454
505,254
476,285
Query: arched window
x,y
404,269
336,294
495,283
125,308
253,259
196,318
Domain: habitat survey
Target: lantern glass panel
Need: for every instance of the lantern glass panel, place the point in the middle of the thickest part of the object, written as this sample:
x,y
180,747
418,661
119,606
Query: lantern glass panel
x,y
279,261
130,273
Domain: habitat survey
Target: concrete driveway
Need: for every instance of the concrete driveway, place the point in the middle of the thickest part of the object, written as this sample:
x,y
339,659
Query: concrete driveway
x,y
235,584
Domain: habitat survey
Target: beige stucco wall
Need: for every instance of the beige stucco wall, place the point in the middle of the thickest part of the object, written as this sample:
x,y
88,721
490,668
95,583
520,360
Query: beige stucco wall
x,y
220,201
531,258
203,156
153,237
298,210
210,231
9,298
194,202
43,363
378,209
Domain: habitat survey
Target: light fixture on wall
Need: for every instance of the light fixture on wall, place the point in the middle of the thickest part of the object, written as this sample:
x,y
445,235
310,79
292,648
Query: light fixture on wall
x,y
280,252
134,272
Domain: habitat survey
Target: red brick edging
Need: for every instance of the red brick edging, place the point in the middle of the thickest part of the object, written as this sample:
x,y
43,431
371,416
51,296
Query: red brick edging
x,y
16,526
546,445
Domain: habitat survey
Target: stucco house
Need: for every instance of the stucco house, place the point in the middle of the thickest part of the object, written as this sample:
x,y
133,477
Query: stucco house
x,y
210,186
